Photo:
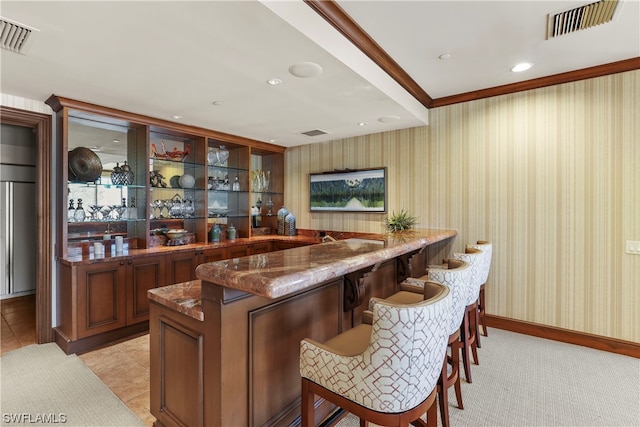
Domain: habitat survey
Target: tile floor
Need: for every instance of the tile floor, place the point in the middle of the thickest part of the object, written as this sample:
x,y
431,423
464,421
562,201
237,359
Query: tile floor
x,y
18,322
123,367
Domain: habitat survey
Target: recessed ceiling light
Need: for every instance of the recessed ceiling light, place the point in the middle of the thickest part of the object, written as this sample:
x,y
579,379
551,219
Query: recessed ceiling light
x,y
272,140
217,103
362,124
116,141
445,56
176,117
305,69
523,66
388,119
274,82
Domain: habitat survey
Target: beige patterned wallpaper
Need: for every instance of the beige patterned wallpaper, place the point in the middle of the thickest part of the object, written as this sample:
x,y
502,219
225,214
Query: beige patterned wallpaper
x,y
551,177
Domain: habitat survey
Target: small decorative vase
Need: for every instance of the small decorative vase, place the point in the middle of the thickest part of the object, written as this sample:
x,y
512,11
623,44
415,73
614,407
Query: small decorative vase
x,y
127,174
187,181
282,213
290,225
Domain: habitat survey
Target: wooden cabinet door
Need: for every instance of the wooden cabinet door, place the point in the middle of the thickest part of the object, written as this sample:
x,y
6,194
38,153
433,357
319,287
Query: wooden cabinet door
x,y
101,298
216,254
259,248
181,267
142,274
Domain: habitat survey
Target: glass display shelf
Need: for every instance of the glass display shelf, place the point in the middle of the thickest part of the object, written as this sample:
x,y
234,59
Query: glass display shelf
x,y
174,163
73,184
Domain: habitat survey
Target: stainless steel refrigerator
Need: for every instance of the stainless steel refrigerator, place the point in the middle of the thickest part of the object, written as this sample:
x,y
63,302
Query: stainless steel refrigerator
x,y
18,230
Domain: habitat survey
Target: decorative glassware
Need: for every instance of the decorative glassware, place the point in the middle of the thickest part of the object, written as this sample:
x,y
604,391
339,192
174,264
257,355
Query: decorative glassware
x,y
106,212
290,225
282,213
71,213
212,156
266,175
133,211
269,207
236,184
94,212
79,215
223,155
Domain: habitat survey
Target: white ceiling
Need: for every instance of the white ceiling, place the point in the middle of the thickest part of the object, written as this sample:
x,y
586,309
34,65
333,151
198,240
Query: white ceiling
x,y
165,58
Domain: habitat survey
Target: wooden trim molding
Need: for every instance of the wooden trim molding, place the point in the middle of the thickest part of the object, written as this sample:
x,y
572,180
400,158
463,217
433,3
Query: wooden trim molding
x,y
57,103
597,342
341,21
338,18
556,79
41,123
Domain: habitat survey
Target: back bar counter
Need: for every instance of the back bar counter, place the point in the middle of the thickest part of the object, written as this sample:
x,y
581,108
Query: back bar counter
x,y
225,349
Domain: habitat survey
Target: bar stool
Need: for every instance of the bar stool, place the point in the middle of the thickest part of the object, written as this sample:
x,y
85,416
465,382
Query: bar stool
x,y
487,249
469,327
386,372
455,275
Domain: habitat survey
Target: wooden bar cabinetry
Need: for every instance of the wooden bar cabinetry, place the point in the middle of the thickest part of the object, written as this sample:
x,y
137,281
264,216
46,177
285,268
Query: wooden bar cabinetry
x,y
168,181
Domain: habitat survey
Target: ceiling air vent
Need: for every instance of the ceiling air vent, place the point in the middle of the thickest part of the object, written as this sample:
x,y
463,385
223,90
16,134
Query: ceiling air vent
x,y
315,132
14,36
581,18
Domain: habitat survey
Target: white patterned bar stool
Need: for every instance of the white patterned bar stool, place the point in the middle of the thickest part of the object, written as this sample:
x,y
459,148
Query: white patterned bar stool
x,y
469,328
487,249
455,274
385,373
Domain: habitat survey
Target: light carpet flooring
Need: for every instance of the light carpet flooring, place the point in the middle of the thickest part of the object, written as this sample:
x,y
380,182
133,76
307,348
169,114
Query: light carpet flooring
x,y
521,381
529,381
43,386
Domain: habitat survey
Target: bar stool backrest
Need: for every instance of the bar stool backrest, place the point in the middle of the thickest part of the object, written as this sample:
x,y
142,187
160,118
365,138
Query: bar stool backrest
x,y
457,279
487,250
475,259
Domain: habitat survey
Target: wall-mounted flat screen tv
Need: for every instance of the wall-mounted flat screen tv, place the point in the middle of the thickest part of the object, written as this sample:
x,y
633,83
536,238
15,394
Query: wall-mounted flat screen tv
x,y
362,190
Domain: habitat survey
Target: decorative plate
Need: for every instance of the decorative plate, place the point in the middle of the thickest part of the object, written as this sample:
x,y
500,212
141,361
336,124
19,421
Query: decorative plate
x,y
84,164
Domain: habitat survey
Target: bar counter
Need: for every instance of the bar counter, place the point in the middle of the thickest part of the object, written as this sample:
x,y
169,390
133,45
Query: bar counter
x,y
281,273
224,349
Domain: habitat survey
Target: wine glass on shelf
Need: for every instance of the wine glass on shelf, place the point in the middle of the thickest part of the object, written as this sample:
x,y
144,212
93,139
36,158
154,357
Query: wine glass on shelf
x,y
94,211
120,210
106,212
115,214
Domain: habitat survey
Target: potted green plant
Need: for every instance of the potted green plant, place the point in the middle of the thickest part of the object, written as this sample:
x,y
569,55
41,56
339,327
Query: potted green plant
x,y
400,221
